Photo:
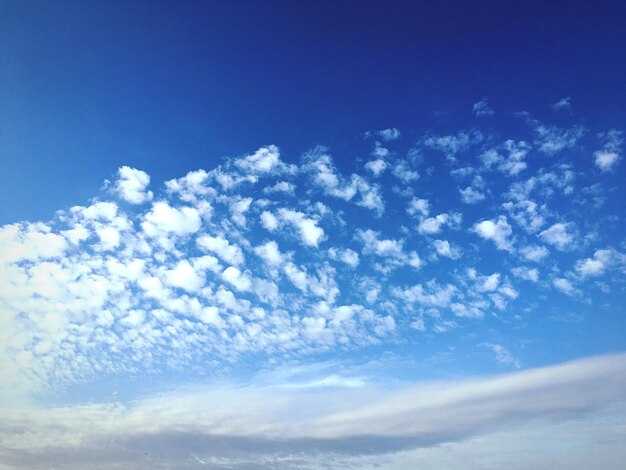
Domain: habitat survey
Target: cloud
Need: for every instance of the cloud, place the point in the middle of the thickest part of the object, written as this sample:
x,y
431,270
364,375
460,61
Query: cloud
x,y
451,145
552,140
503,356
481,108
270,423
131,185
308,230
228,252
564,285
444,248
319,166
526,273
563,103
606,160
497,230
559,235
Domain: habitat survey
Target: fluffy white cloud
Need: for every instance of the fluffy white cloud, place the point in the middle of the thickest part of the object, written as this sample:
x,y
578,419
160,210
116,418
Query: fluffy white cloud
x,y
444,248
497,230
605,160
165,218
563,285
526,273
231,253
132,185
348,256
433,225
310,233
559,235
534,252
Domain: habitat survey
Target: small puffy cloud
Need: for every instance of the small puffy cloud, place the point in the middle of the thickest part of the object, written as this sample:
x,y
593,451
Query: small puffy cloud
x,y
270,253
609,156
269,221
165,218
431,294
481,108
348,256
512,162
184,276
601,261
606,160
240,281
451,145
471,195
419,207
551,139
389,134
231,253
564,285
559,235
131,185
563,103
444,248
534,252
376,167
433,225
264,160
308,230
526,273
497,230
319,166
403,171
280,187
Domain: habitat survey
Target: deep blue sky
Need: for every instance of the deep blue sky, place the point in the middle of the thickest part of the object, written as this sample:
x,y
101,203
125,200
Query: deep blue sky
x,y
171,86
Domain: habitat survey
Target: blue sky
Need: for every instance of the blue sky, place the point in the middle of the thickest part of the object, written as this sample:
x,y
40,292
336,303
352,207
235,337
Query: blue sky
x,y
248,235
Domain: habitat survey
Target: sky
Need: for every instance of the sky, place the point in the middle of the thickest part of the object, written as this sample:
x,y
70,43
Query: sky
x,y
283,235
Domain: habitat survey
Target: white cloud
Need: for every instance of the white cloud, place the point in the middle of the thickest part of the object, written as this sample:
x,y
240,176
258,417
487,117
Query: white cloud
x,y
444,248
503,356
482,108
281,187
231,253
563,103
319,166
404,173
264,160
564,285
269,221
270,253
376,167
602,261
348,256
419,207
433,225
526,273
552,139
534,252
389,134
308,230
471,195
606,160
451,145
164,218
184,276
497,230
559,235
131,185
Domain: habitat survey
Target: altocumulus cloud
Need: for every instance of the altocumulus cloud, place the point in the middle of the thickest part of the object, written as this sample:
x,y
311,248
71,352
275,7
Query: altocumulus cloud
x,y
260,261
